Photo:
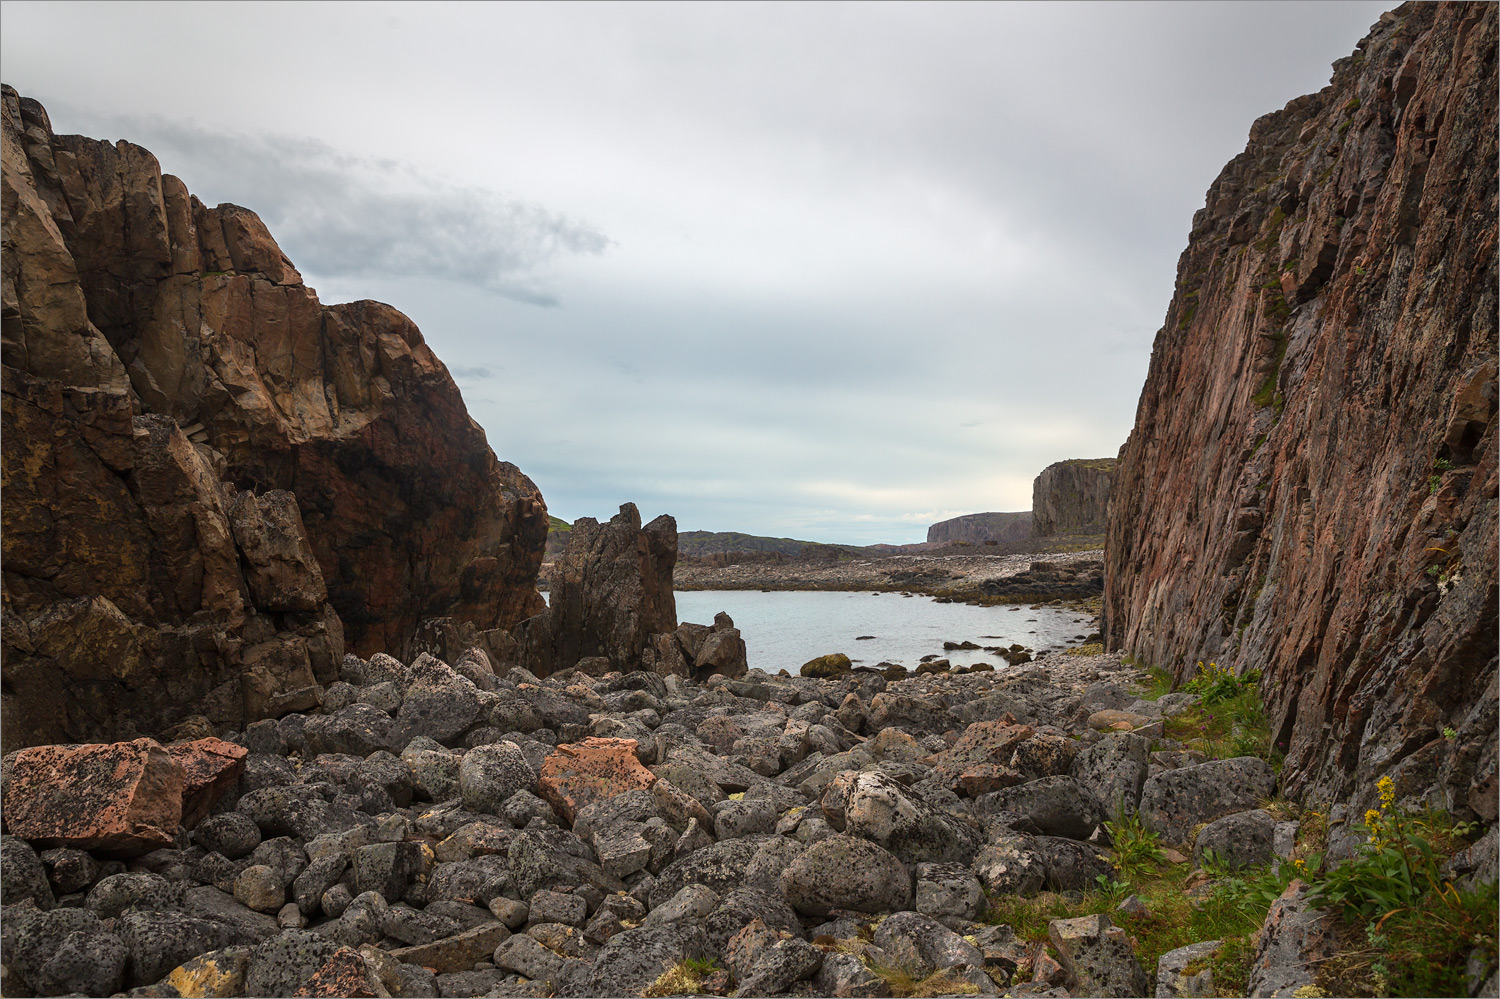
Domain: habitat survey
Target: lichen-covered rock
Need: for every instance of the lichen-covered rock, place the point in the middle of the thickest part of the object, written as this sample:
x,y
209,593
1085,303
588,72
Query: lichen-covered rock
x,y
123,798
1057,806
1098,956
877,808
634,959
1243,839
823,667
764,961
1173,979
489,775
948,892
921,946
578,774
1011,865
1174,801
1114,771
846,872
22,875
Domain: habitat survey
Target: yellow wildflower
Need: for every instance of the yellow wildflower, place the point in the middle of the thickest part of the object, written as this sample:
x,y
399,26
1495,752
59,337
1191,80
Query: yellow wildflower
x,y
1371,817
1387,789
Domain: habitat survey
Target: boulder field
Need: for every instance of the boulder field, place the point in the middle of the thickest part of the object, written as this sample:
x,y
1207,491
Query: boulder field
x,y
435,829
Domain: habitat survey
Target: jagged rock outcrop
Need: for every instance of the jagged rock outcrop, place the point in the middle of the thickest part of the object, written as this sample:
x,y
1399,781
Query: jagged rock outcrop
x,y
1310,487
212,481
977,528
611,592
1071,497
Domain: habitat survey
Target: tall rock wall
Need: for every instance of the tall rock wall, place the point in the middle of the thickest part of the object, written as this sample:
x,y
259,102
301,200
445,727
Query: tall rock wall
x,y
1310,486
1071,497
977,528
212,481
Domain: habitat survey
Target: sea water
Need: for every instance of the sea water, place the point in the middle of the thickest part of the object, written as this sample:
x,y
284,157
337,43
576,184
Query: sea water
x,y
783,629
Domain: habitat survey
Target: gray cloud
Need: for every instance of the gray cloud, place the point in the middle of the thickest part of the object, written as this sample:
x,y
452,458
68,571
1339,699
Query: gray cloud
x,y
477,373
337,215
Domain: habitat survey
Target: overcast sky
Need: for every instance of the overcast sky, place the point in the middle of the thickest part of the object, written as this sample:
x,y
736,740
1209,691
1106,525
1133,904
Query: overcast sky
x,y
828,271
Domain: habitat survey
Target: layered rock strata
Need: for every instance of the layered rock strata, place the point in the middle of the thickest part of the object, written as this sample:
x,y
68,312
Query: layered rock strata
x,y
1072,497
212,481
1310,486
979,528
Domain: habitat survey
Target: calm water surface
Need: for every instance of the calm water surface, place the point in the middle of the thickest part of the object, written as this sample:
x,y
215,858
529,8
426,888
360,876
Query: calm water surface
x,y
785,628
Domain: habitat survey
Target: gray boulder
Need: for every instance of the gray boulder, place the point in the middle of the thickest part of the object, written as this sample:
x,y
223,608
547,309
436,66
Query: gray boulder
x,y
1175,801
488,775
1114,771
439,704
1294,940
846,872
743,906
1054,806
874,806
159,941
1172,978
34,942
1098,956
280,965
948,892
232,834
922,946
720,866
1011,865
1240,840
22,875
845,975
634,959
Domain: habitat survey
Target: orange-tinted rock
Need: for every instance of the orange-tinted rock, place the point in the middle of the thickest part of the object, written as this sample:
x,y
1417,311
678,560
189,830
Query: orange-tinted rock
x,y
124,798
581,773
1310,487
210,767
343,974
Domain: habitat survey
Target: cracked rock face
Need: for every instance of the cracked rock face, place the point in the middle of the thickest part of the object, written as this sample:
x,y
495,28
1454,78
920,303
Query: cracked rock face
x,y
1310,487
212,480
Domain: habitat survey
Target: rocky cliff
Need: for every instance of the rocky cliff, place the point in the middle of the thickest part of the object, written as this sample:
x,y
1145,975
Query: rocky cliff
x,y
1310,486
1071,497
213,482
977,528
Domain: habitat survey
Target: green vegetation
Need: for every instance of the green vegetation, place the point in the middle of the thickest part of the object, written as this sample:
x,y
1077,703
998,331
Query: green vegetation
x,y
941,983
557,524
1229,721
1138,850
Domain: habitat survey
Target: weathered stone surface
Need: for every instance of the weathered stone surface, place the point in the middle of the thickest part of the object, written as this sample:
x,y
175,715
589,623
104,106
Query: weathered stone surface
x,y
1011,865
764,961
1174,801
1173,981
1310,487
163,357
125,797
1098,956
1294,940
1071,497
345,973
876,807
1239,840
921,946
22,875
611,593
845,872
579,774
1114,771
832,665
210,767
458,952
1057,806
634,959
489,775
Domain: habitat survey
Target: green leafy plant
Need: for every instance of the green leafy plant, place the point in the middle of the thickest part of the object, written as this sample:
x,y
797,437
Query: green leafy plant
x,y
1434,483
1138,850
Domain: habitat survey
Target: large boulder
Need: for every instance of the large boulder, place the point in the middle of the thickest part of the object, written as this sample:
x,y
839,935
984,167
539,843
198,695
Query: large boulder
x,y
1114,771
876,807
578,774
123,798
1057,806
1098,956
1175,801
846,872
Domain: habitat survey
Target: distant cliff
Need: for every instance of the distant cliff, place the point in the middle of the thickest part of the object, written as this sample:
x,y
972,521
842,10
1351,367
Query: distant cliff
x,y
212,481
977,528
1310,486
1071,497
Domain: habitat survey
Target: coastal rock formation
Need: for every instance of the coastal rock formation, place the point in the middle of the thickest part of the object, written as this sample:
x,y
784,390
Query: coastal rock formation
x,y
212,481
1310,487
611,591
978,528
1072,497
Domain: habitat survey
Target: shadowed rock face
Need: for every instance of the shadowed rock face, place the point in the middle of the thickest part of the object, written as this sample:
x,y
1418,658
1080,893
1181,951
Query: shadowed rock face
x,y
611,592
212,481
1310,487
1071,497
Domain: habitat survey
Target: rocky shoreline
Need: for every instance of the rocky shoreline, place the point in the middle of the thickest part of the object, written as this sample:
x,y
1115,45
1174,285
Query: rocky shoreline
x,y
443,830
977,578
